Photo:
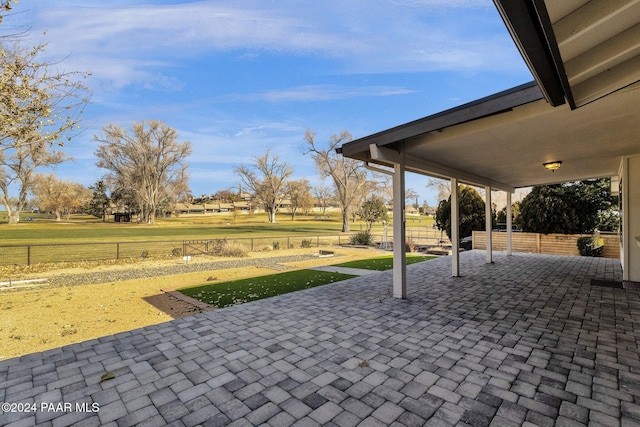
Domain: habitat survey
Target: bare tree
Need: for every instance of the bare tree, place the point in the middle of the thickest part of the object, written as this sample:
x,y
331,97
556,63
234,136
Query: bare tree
x,y
411,196
149,162
39,104
267,180
443,187
227,196
299,193
58,196
323,196
350,179
38,108
5,7
17,169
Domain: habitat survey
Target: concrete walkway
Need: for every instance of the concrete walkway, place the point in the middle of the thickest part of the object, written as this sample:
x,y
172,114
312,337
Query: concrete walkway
x,y
524,341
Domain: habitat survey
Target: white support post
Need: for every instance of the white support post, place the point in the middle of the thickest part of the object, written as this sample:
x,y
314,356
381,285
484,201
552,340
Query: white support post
x,y
509,225
455,222
488,224
399,233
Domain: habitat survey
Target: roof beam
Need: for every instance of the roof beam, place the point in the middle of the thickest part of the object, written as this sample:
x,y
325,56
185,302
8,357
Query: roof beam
x,y
611,53
621,75
593,14
387,156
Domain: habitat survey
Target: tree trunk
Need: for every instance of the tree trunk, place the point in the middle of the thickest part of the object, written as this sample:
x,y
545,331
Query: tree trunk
x,y
14,217
272,217
345,221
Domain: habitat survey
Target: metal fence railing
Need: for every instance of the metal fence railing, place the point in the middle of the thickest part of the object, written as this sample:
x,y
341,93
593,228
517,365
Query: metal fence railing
x,y
95,251
87,251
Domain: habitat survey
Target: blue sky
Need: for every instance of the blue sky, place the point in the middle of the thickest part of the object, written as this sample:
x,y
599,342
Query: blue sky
x,y
236,77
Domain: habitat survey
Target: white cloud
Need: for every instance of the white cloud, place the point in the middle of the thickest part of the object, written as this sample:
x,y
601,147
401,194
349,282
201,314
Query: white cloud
x,y
237,142
315,93
268,128
236,77
122,41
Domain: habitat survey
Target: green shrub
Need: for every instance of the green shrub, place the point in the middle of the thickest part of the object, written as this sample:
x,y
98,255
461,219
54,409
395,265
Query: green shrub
x,y
176,252
276,245
362,238
590,246
306,243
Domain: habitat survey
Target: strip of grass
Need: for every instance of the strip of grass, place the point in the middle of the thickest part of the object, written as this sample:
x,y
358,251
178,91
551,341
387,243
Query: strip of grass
x,y
44,232
244,290
382,263
83,228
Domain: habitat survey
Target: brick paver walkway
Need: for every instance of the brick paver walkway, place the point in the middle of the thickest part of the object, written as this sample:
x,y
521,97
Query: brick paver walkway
x,y
524,341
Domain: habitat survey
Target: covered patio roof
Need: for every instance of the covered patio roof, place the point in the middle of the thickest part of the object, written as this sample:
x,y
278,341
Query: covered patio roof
x,y
503,140
582,108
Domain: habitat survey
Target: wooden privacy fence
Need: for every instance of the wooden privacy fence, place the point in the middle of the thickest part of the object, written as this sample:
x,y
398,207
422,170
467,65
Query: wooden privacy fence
x,y
551,244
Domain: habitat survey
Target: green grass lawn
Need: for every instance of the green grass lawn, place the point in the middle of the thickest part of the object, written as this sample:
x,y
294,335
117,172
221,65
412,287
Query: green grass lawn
x,y
89,231
83,228
244,290
382,263
86,238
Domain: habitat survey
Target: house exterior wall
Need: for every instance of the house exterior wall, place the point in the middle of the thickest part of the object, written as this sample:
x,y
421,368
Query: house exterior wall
x,y
630,210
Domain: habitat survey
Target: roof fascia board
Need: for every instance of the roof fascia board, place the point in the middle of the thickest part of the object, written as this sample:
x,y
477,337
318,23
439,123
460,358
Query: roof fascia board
x,y
524,21
554,49
488,106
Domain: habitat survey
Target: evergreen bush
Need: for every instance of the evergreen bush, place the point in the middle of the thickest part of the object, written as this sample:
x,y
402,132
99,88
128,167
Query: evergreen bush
x,y
590,246
362,238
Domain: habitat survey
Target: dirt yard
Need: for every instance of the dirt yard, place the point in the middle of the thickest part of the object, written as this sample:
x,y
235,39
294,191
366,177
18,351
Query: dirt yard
x,y
41,318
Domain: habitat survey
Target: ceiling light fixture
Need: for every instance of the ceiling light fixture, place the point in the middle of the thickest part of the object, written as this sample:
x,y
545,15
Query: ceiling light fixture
x,y
553,166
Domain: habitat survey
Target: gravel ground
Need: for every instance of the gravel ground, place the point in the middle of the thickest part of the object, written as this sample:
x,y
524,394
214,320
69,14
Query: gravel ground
x,y
273,263
86,301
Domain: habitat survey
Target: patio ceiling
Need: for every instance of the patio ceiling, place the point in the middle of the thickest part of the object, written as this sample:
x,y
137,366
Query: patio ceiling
x,y
582,109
